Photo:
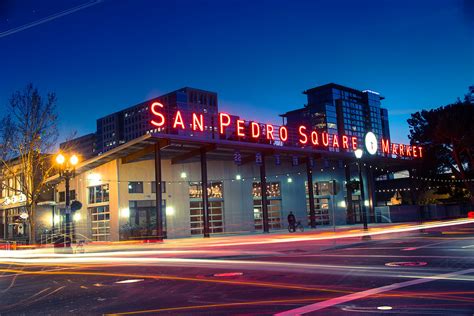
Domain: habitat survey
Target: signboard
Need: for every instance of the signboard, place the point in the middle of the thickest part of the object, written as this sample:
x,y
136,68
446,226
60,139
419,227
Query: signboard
x,y
304,136
14,199
258,158
237,158
371,143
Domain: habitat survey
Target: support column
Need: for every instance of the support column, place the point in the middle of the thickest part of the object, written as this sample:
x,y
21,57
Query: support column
x,y
312,212
205,201
349,204
158,194
371,194
5,233
362,196
263,190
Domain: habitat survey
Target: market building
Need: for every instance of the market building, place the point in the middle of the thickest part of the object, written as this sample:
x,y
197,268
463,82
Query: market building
x,y
150,185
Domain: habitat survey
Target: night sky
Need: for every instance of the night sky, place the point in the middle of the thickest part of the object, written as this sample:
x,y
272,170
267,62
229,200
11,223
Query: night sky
x,y
257,55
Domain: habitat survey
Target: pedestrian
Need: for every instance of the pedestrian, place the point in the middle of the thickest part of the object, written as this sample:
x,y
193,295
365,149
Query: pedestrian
x,y
291,222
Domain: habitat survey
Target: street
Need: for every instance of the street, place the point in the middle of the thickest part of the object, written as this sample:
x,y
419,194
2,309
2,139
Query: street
x,y
402,269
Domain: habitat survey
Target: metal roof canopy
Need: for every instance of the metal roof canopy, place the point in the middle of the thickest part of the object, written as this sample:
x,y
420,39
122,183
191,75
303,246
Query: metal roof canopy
x,y
184,149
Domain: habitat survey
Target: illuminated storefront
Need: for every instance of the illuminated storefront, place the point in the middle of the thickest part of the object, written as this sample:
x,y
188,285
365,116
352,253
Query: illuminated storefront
x,y
252,184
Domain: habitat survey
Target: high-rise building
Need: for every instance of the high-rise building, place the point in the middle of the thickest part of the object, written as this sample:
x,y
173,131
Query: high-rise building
x,y
341,110
122,126
83,145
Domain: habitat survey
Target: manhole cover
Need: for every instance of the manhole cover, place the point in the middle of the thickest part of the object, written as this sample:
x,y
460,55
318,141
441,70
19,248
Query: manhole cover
x,y
406,264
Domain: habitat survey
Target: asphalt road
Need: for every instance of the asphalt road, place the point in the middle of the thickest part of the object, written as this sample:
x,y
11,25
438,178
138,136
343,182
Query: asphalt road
x,y
428,272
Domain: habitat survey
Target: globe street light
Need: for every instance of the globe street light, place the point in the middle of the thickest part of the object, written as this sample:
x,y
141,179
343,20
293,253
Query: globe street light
x,y
67,170
359,153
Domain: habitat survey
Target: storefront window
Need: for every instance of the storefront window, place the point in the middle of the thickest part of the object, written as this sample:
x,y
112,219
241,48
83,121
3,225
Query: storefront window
x,y
273,205
214,190
100,223
322,199
98,194
215,193
141,222
135,187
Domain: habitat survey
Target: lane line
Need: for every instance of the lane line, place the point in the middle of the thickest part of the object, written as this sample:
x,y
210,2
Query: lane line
x,y
355,296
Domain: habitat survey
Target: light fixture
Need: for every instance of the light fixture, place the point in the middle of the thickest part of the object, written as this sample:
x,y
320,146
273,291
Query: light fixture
x,y
289,180
125,212
238,177
358,153
60,159
183,175
76,217
169,210
74,160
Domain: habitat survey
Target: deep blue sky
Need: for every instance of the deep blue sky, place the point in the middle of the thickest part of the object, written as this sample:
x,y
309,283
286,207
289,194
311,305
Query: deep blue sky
x,y
258,55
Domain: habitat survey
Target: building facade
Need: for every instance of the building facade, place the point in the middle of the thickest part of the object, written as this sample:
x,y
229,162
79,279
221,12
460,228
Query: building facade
x,y
157,158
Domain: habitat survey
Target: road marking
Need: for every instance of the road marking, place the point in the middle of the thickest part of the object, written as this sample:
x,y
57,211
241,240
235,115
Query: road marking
x,y
467,246
428,245
355,296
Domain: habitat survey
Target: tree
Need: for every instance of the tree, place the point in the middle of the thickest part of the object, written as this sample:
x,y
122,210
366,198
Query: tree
x,y
28,133
447,134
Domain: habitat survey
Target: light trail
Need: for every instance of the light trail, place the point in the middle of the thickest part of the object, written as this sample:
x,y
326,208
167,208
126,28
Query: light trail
x,y
177,278
355,296
237,241
194,307
272,302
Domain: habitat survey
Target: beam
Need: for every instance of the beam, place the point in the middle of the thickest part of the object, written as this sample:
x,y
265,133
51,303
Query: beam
x,y
145,151
192,153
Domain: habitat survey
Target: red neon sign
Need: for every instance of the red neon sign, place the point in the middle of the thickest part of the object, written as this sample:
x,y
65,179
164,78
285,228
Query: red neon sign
x,y
256,130
158,115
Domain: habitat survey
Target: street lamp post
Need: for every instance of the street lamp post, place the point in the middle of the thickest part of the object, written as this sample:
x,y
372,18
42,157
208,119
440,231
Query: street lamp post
x,y
67,170
358,153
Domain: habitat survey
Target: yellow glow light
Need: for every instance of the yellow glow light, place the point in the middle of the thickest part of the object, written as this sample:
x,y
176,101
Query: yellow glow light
x,y
169,210
76,217
74,160
60,159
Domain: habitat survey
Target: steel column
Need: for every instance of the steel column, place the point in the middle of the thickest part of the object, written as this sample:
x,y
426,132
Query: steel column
x,y
263,190
205,200
158,193
362,197
312,212
349,208
68,238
